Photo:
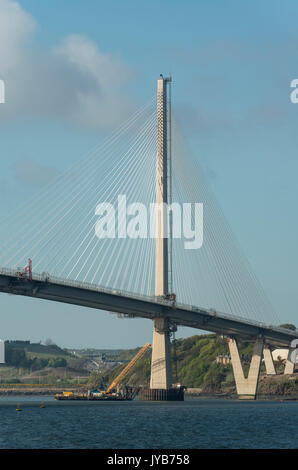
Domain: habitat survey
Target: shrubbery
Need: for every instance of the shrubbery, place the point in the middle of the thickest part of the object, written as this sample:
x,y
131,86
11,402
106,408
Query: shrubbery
x,y
17,357
57,362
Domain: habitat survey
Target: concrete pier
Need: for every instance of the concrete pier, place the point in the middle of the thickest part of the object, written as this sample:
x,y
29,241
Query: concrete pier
x,y
268,359
161,367
246,387
290,365
152,394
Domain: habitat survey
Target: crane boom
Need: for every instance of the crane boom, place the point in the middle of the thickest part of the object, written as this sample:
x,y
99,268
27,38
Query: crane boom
x,y
128,368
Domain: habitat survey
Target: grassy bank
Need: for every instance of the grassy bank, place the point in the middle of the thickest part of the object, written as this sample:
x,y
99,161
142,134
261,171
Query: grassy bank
x,y
37,368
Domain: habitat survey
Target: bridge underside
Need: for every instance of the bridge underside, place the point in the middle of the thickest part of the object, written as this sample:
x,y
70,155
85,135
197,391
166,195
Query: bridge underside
x,y
105,299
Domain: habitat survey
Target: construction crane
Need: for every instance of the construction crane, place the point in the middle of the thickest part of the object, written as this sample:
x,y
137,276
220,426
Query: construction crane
x,y
128,368
107,395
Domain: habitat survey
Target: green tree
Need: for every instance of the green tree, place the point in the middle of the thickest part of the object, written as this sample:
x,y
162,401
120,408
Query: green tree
x,y
57,362
95,380
16,357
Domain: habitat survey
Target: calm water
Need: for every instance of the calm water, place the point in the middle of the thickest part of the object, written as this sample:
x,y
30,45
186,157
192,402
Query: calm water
x,y
201,423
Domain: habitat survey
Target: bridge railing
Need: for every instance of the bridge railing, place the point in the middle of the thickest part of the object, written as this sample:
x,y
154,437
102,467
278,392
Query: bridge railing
x,y
45,277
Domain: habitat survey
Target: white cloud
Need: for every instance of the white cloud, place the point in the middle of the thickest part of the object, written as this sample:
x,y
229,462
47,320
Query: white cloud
x,y
16,29
101,98
74,80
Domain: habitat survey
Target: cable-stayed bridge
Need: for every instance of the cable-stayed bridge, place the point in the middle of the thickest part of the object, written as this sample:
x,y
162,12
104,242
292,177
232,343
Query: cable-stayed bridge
x,y
133,305
89,235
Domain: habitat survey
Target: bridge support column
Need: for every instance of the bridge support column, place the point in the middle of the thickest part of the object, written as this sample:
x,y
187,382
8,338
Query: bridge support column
x,y
290,366
161,368
246,387
268,359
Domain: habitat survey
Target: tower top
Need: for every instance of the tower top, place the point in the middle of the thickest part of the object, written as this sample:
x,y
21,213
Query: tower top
x,y
165,79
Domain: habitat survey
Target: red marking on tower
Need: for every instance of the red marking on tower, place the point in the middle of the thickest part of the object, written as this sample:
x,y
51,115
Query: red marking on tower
x,y
28,269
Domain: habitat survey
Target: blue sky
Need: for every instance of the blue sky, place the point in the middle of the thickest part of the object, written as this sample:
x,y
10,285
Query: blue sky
x,y
232,64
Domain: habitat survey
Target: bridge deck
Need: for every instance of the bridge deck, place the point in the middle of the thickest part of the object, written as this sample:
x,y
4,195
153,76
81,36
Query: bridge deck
x,y
102,298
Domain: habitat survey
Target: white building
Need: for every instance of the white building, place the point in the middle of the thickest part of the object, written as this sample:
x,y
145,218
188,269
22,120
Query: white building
x,y
282,353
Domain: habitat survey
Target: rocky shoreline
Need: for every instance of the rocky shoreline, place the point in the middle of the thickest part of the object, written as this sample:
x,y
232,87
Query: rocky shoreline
x,y
189,393
35,391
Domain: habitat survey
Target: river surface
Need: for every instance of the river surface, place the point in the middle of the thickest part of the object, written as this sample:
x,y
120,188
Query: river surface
x,y
192,424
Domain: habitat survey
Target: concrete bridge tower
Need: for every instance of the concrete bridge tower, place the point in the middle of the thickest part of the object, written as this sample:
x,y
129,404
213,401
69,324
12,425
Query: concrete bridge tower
x,y
161,374
161,367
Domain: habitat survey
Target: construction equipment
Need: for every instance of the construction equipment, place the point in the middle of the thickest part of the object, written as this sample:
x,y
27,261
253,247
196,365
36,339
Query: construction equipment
x,y
116,382
170,297
128,393
26,272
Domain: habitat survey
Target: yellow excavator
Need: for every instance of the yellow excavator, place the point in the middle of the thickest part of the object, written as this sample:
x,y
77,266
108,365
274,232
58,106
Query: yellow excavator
x,y
117,381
